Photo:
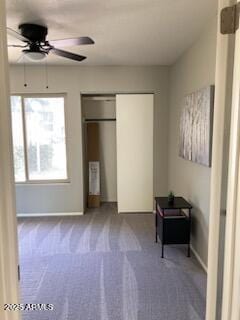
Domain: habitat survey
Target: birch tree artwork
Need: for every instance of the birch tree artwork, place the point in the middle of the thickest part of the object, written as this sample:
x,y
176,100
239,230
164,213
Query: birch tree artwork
x,y
196,126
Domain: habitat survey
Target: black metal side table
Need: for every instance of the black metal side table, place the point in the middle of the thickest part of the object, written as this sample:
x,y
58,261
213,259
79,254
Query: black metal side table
x,y
172,222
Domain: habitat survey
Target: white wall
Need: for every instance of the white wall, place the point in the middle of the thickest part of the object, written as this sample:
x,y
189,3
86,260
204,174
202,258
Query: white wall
x,y
100,109
194,70
74,80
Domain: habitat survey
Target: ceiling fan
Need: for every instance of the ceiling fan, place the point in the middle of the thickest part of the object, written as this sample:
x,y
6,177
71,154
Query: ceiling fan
x,y
36,46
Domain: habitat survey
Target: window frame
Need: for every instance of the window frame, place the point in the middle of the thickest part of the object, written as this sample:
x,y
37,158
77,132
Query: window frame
x,y
43,181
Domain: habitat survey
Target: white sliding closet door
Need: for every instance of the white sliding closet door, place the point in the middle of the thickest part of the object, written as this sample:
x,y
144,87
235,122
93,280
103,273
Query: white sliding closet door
x,y
134,113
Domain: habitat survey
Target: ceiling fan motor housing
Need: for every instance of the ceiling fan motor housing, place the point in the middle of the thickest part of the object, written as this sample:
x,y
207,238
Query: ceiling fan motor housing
x,y
33,32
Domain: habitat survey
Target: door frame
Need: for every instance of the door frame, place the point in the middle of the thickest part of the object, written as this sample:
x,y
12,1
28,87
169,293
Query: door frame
x,y
8,219
231,277
8,231
225,82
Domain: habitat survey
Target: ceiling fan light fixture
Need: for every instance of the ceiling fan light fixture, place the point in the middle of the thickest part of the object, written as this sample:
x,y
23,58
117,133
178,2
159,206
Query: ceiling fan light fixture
x,y
35,56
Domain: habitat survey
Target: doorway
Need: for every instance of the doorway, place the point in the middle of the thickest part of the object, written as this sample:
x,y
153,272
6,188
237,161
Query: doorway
x,y
99,129
118,151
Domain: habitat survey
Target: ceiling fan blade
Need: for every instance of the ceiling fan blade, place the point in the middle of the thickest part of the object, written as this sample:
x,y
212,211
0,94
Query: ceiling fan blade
x,y
71,42
68,55
17,35
16,46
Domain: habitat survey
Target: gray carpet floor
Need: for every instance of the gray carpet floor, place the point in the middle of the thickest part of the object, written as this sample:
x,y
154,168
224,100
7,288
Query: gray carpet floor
x,y
105,266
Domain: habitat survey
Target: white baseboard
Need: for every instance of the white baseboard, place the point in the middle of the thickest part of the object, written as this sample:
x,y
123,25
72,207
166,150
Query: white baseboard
x,y
199,259
50,214
136,211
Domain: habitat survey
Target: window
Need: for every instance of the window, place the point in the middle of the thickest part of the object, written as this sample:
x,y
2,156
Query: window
x,y
39,143
18,140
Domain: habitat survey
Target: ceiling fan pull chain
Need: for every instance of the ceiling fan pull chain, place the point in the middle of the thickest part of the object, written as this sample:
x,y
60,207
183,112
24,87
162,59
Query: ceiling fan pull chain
x,y
46,73
24,73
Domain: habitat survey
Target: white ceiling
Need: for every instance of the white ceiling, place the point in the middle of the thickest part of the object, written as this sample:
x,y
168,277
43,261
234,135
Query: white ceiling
x,y
126,32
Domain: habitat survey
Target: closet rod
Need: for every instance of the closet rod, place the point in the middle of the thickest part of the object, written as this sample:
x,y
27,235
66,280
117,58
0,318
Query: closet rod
x,y
98,120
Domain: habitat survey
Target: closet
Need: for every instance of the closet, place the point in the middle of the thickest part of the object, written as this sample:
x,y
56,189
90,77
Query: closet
x,y
119,130
99,142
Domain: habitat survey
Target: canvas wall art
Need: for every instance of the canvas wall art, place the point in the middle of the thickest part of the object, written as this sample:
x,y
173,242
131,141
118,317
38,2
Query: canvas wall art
x,y
196,126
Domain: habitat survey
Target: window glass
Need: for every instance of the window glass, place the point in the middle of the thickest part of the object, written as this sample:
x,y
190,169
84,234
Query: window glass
x,y
18,140
45,132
